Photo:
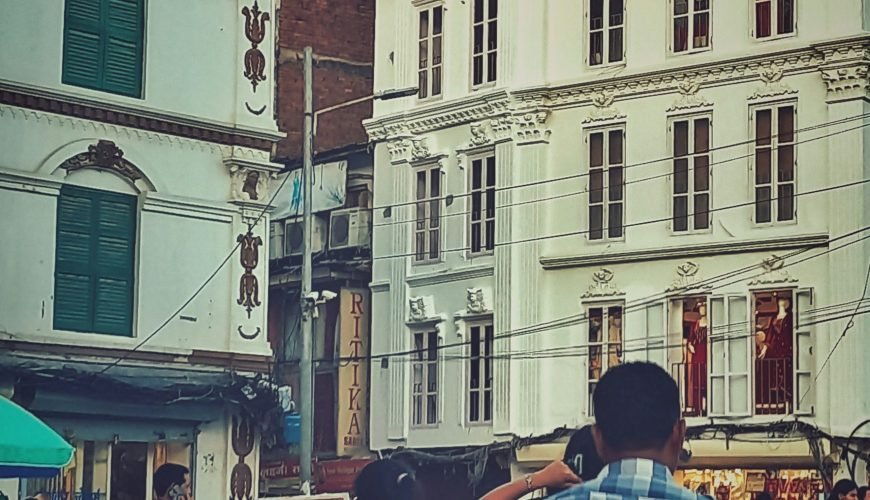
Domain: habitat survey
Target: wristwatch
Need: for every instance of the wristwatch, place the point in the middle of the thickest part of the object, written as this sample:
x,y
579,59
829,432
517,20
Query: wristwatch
x,y
529,482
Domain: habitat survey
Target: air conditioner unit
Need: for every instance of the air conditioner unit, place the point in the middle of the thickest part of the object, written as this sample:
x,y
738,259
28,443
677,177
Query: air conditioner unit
x,y
349,228
294,237
276,240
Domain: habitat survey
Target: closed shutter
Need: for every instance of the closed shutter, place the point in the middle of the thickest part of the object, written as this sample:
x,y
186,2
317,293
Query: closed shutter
x,y
116,222
730,355
122,72
82,43
103,45
74,264
94,261
804,354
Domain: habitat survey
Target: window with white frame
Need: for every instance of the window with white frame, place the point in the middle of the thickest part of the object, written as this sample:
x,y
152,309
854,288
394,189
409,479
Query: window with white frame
x,y
774,163
730,354
427,228
774,18
606,183
604,343
480,372
691,174
691,25
482,213
425,371
606,31
430,46
484,52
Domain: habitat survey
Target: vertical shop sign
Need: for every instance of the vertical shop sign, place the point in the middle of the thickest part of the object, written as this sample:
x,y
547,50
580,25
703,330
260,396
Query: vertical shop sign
x,y
353,373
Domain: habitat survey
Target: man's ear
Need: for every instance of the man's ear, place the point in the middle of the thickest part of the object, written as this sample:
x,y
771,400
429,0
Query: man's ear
x,y
600,447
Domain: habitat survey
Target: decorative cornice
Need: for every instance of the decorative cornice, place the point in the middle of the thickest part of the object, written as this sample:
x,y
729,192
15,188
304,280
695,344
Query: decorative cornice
x,y
450,276
531,127
602,286
379,286
28,183
686,251
774,272
183,207
251,175
152,121
773,85
689,98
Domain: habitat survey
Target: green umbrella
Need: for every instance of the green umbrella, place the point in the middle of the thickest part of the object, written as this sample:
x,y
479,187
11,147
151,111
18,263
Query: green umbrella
x,y
27,445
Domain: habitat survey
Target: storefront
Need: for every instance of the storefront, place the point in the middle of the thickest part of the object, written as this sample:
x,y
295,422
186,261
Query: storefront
x,y
740,484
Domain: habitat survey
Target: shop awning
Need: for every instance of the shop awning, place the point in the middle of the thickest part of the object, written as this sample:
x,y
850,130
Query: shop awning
x,y
29,447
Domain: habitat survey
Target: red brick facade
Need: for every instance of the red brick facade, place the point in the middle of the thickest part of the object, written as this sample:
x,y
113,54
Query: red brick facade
x,y
341,32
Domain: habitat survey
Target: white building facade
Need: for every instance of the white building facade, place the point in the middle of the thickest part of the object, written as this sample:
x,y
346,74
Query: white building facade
x,y
135,171
689,174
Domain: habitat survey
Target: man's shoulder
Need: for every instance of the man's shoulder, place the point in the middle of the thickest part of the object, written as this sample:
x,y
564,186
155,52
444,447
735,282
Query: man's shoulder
x,y
594,491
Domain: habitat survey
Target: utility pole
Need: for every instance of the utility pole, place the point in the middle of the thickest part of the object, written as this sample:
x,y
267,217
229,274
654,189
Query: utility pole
x,y
306,403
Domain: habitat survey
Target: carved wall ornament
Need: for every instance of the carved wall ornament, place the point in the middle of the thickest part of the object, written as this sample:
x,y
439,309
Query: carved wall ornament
x,y
689,98
249,184
771,76
416,309
602,285
242,478
687,278
399,150
531,127
249,336
104,155
774,272
255,32
475,301
501,127
479,135
603,108
419,149
847,80
249,256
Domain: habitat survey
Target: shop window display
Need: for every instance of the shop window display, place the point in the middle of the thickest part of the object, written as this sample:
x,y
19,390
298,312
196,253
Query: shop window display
x,y
774,352
691,369
747,484
605,347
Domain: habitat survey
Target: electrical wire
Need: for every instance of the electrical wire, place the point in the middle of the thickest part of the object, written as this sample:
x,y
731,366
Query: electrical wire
x,y
585,190
451,197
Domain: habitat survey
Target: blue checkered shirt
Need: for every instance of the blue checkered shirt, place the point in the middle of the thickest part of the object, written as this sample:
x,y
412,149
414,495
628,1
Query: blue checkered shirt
x,y
634,479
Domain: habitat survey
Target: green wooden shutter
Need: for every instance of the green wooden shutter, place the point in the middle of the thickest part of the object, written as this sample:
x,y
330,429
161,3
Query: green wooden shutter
x,y
73,282
115,255
82,43
103,45
122,71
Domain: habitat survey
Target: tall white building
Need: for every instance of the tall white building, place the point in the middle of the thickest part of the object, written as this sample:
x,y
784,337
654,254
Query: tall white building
x,y
135,142
585,183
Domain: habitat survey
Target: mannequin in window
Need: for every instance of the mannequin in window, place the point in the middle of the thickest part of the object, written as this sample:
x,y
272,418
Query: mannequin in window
x,y
595,351
614,339
775,358
696,384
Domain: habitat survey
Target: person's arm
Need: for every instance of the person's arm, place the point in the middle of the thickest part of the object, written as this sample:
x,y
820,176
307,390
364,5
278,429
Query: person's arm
x,y
555,475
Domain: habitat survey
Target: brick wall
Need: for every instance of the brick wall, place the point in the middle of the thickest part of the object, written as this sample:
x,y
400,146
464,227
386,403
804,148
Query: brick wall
x,y
341,32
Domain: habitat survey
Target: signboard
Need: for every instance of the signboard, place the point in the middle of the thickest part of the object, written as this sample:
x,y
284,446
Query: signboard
x,y
352,421
328,189
333,476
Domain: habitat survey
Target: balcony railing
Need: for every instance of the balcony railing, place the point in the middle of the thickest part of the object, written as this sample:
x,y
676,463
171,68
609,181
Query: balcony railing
x,y
692,381
773,386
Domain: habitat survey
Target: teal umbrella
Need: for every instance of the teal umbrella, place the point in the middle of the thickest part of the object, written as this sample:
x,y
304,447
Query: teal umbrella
x,y
29,447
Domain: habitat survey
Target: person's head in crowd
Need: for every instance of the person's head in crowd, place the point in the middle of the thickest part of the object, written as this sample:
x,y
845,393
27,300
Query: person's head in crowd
x,y
637,415
844,489
384,479
581,455
171,482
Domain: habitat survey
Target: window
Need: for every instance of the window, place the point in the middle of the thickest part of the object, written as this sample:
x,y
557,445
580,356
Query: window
x,y
605,349
427,231
102,45
691,174
425,366
606,184
482,214
606,24
729,363
485,41
775,163
691,25
774,18
480,373
93,279
431,49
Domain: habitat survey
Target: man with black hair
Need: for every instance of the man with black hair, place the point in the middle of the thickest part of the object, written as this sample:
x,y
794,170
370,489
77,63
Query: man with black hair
x,y
638,433
172,482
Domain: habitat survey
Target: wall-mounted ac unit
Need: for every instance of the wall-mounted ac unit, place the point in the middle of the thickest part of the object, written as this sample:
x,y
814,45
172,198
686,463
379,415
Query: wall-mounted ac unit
x,y
294,238
276,240
349,228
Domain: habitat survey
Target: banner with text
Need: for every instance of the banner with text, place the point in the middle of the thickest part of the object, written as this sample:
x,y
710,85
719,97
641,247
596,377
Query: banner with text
x,y
353,373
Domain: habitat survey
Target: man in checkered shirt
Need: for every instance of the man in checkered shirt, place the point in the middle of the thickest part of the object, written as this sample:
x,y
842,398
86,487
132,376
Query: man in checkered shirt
x,y
639,434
